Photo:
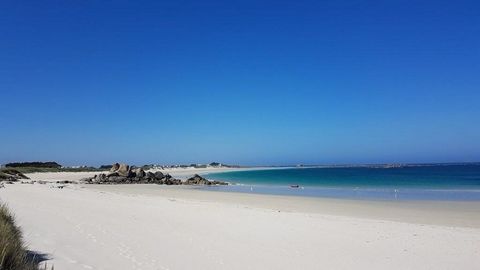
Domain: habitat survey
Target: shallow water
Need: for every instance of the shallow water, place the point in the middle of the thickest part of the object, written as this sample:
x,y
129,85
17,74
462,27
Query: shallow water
x,y
439,182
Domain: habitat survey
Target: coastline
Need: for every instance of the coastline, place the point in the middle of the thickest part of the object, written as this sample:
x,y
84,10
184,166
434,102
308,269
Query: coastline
x,y
442,213
433,212
440,183
143,226
181,173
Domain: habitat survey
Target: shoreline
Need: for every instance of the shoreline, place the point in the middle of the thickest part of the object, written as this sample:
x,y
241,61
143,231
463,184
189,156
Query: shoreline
x,y
442,213
356,183
142,226
382,194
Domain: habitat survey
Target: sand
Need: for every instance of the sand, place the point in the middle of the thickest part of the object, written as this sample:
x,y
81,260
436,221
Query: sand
x,y
160,227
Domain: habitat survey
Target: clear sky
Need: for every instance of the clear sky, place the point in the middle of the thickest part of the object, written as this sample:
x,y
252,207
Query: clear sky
x,y
244,82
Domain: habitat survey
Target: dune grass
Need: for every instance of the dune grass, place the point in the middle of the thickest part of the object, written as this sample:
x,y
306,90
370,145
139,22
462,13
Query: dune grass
x,y
11,174
40,169
13,254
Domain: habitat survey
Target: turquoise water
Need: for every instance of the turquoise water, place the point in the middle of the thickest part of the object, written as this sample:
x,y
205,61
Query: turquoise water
x,y
439,182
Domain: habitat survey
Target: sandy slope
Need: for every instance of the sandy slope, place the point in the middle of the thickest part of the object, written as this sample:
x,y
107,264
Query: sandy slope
x,y
175,228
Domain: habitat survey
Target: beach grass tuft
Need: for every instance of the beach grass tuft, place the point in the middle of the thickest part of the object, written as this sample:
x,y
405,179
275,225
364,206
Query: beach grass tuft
x,y
13,253
44,170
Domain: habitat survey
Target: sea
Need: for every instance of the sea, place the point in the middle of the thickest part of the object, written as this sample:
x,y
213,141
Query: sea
x,y
458,182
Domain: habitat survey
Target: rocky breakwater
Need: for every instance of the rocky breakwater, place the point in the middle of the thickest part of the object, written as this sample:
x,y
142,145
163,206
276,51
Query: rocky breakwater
x,y
125,174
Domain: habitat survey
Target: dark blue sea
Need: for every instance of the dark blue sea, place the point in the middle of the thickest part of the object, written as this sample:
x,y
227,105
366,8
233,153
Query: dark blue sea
x,y
425,182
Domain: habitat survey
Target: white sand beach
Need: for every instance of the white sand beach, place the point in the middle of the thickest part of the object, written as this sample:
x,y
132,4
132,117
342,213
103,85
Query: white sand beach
x,y
177,227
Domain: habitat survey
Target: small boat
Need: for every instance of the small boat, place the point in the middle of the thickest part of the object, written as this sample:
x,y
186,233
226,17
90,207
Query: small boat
x,y
294,186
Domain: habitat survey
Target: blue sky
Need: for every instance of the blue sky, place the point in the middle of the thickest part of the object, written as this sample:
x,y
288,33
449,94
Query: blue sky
x,y
244,82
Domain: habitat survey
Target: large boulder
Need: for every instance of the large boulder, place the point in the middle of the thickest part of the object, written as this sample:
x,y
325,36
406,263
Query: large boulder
x,y
199,180
117,179
124,170
172,181
115,167
196,180
159,175
139,173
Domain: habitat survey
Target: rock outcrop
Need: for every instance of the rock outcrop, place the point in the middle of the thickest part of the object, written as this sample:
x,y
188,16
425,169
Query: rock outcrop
x,y
139,172
199,180
124,170
159,174
124,174
114,167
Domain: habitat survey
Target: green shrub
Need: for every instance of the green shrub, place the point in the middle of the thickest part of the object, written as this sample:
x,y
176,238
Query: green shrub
x,y
35,164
